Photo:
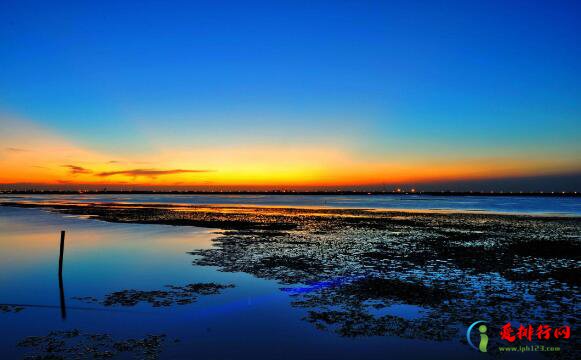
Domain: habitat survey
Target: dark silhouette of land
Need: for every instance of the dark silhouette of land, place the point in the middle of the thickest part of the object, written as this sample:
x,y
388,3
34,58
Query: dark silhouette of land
x,y
294,192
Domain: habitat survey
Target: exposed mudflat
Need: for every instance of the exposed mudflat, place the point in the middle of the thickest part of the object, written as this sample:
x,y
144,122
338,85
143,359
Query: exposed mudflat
x,y
73,344
349,269
171,295
10,308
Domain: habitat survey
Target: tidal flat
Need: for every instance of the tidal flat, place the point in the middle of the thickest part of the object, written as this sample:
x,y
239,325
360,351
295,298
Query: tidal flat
x,y
378,274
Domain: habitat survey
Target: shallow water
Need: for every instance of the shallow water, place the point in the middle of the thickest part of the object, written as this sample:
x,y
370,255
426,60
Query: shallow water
x,y
500,204
255,319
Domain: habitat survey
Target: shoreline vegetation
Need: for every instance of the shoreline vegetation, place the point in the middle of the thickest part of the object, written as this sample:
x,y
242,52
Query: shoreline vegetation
x,y
349,270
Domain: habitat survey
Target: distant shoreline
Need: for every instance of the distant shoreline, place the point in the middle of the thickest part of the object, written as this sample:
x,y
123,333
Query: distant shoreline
x,y
73,207
214,216
290,192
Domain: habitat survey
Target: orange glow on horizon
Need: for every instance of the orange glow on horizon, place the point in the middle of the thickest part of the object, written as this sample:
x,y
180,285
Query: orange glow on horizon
x,y
33,155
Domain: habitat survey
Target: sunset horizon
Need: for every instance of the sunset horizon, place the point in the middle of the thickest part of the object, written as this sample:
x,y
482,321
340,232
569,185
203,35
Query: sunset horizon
x,y
35,156
265,180
278,96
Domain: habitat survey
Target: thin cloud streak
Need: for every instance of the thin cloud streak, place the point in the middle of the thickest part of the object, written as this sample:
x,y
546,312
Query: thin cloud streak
x,y
78,169
149,172
13,149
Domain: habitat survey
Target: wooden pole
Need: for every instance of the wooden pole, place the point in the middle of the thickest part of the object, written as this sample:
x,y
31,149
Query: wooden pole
x,y
62,298
62,253
61,285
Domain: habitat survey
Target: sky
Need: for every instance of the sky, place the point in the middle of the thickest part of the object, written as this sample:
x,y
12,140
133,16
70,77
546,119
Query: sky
x,y
290,94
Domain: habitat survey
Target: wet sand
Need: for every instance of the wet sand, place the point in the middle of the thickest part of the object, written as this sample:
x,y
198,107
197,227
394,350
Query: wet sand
x,y
349,268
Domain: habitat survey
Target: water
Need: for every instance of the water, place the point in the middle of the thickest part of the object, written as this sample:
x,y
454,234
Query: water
x,y
254,320
501,204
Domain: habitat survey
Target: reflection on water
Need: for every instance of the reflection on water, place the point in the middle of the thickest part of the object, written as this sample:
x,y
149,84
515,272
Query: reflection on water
x,y
254,319
503,204
63,302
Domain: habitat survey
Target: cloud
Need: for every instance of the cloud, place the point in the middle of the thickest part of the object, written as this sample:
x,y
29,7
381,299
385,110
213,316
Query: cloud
x,y
13,149
149,172
113,162
77,169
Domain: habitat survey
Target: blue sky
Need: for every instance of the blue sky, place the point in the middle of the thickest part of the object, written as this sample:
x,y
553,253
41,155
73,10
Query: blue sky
x,y
482,78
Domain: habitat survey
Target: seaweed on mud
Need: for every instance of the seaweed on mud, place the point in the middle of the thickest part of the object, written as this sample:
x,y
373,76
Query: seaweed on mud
x,y
174,295
86,299
453,266
73,344
10,308
546,248
571,276
346,268
374,288
293,263
355,323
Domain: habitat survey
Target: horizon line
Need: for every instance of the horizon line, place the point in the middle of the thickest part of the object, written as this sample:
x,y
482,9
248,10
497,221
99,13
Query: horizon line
x,y
299,192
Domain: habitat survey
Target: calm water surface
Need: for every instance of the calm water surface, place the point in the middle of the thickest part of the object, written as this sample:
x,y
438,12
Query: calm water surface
x,y
254,320
501,204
